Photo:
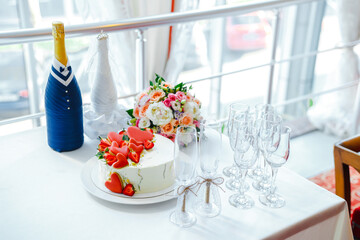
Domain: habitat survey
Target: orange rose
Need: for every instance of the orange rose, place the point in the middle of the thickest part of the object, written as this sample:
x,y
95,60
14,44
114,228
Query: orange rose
x,y
167,128
174,122
143,109
136,112
197,101
188,97
166,84
141,95
186,120
155,96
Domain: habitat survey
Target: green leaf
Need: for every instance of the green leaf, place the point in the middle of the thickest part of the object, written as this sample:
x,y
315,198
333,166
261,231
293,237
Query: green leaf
x,y
100,155
158,79
151,83
125,138
222,128
311,102
130,112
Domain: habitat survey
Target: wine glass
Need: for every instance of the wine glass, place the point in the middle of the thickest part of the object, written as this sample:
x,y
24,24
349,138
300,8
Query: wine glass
x,y
245,158
238,119
235,109
260,110
208,203
276,160
185,158
268,141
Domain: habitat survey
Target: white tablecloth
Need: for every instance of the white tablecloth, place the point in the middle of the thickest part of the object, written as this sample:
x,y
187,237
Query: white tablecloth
x,y
42,197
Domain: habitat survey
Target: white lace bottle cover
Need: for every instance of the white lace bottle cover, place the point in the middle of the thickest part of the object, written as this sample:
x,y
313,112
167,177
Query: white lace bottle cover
x,y
104,114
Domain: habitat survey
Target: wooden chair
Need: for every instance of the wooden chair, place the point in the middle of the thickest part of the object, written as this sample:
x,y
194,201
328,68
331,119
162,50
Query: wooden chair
x,y
346,153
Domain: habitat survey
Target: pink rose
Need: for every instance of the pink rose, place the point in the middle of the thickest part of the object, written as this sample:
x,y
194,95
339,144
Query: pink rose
x,y
197,123
169,136
167,102
172,97
180,96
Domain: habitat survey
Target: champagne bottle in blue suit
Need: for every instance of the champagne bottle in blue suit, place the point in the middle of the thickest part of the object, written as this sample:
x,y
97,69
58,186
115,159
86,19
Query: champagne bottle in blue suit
x,y
63,103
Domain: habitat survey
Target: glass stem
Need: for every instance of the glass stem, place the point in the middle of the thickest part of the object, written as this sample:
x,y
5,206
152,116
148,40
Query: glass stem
x,y
258,162
184,203
274,171
243,172
234,176
207,196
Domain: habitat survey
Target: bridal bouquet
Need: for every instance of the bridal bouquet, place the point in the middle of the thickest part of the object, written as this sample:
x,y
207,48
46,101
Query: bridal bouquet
x,y
163,108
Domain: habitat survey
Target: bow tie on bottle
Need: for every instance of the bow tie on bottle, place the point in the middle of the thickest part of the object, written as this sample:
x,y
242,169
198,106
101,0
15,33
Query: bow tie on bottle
x,y
63,69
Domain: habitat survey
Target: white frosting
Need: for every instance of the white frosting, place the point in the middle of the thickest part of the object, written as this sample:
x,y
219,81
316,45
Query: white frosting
x,y
154,172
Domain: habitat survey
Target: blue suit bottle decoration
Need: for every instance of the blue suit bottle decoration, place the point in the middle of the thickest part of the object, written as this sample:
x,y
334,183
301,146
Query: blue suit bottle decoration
x,y
63,103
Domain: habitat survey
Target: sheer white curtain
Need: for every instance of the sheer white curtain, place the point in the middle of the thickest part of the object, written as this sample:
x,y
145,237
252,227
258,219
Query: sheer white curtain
x,y
335,113
122,44
181,38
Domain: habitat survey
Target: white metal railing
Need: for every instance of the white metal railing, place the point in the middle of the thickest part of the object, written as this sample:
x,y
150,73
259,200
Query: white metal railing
x,y
35,35
141,24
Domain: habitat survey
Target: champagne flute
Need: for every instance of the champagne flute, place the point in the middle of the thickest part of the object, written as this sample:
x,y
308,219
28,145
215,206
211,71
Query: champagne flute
x,y
208,203
246,155
239,119
235,109
268,141
260,110
185,158
276,160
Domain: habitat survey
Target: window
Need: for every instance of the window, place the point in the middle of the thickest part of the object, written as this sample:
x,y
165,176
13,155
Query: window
x,y
240,45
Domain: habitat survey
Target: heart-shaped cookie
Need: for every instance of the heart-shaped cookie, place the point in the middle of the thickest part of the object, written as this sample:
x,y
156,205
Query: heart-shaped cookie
x,y
113,136
121,161
115,150
137,143
114,184
114,144
139,135
137,149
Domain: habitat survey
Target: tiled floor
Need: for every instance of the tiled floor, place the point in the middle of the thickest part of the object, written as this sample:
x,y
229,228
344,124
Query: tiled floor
x,y
312,153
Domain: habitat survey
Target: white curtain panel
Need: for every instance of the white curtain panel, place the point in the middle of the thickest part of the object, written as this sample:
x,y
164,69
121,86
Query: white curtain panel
x,y
121,44
335,113
181,37
157,38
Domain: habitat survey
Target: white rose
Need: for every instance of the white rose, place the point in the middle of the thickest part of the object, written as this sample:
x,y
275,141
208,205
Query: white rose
x,y
192,108
144,122
159,114
176,105
185,138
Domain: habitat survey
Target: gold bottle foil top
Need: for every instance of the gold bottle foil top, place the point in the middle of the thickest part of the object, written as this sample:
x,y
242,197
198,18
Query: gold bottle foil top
x,y
102,36
58,29
59,42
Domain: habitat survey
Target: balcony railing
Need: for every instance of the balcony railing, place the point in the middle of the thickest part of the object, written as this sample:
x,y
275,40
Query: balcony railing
x,y
142,24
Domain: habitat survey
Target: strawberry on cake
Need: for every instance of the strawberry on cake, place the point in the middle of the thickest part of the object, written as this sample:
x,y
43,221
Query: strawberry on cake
x,y
136,161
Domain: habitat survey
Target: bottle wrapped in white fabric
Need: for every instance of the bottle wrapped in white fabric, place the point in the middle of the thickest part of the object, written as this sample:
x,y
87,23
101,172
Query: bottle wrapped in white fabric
x,y
104,114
